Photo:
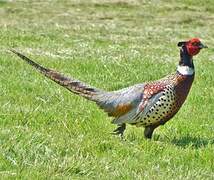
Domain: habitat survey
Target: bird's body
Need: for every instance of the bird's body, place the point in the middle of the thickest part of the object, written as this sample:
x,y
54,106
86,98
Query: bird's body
x,y
149,104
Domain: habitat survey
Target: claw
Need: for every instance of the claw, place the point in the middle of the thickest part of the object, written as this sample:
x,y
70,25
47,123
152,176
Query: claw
x,y
120,130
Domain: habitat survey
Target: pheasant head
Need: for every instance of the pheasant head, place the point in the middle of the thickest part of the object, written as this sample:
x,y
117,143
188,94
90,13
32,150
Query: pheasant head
x,y
193,46
189,49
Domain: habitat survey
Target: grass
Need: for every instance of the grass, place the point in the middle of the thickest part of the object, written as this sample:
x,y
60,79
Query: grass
x,y
46,132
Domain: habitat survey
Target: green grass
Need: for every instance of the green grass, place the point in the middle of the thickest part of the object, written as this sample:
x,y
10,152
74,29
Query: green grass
x,y
46,132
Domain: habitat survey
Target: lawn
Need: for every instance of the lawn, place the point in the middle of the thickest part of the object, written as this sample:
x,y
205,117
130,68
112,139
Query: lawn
x,y
47,132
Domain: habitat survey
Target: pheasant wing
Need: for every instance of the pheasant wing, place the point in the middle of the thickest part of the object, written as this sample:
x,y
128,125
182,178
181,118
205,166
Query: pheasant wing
x,y
150,96
121,102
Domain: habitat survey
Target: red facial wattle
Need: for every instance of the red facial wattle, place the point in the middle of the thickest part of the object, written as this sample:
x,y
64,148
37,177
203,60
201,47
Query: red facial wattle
x,y
192,46
192,50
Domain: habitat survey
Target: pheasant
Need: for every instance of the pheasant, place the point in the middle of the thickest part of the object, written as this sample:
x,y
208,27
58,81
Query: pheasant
x,y
149,104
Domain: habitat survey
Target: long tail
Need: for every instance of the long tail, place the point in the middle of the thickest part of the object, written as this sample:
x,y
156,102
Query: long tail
x,y
71,84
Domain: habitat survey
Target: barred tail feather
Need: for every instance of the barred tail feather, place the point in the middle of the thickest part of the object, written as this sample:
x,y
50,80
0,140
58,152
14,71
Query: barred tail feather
x,y
71,84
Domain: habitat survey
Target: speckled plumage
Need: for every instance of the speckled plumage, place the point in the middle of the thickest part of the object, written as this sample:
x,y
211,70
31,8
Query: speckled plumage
x,y
149,104
160,100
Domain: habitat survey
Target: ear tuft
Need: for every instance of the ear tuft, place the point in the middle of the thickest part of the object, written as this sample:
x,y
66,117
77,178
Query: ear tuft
x,y
181,43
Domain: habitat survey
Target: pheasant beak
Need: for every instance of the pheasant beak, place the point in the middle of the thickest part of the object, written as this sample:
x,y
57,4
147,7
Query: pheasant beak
x,y
201,46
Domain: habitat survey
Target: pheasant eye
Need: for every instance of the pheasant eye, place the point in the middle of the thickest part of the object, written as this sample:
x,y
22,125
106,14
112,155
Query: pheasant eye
x,y
195,43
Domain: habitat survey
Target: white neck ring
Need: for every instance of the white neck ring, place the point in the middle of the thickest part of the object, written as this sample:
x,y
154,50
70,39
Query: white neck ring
x,y
185,70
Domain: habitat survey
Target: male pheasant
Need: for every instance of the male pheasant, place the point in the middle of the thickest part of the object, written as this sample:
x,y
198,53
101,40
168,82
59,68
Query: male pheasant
x,y
149,104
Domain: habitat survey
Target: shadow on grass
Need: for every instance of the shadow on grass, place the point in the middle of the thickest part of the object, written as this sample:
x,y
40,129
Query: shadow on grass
x,y
188,141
